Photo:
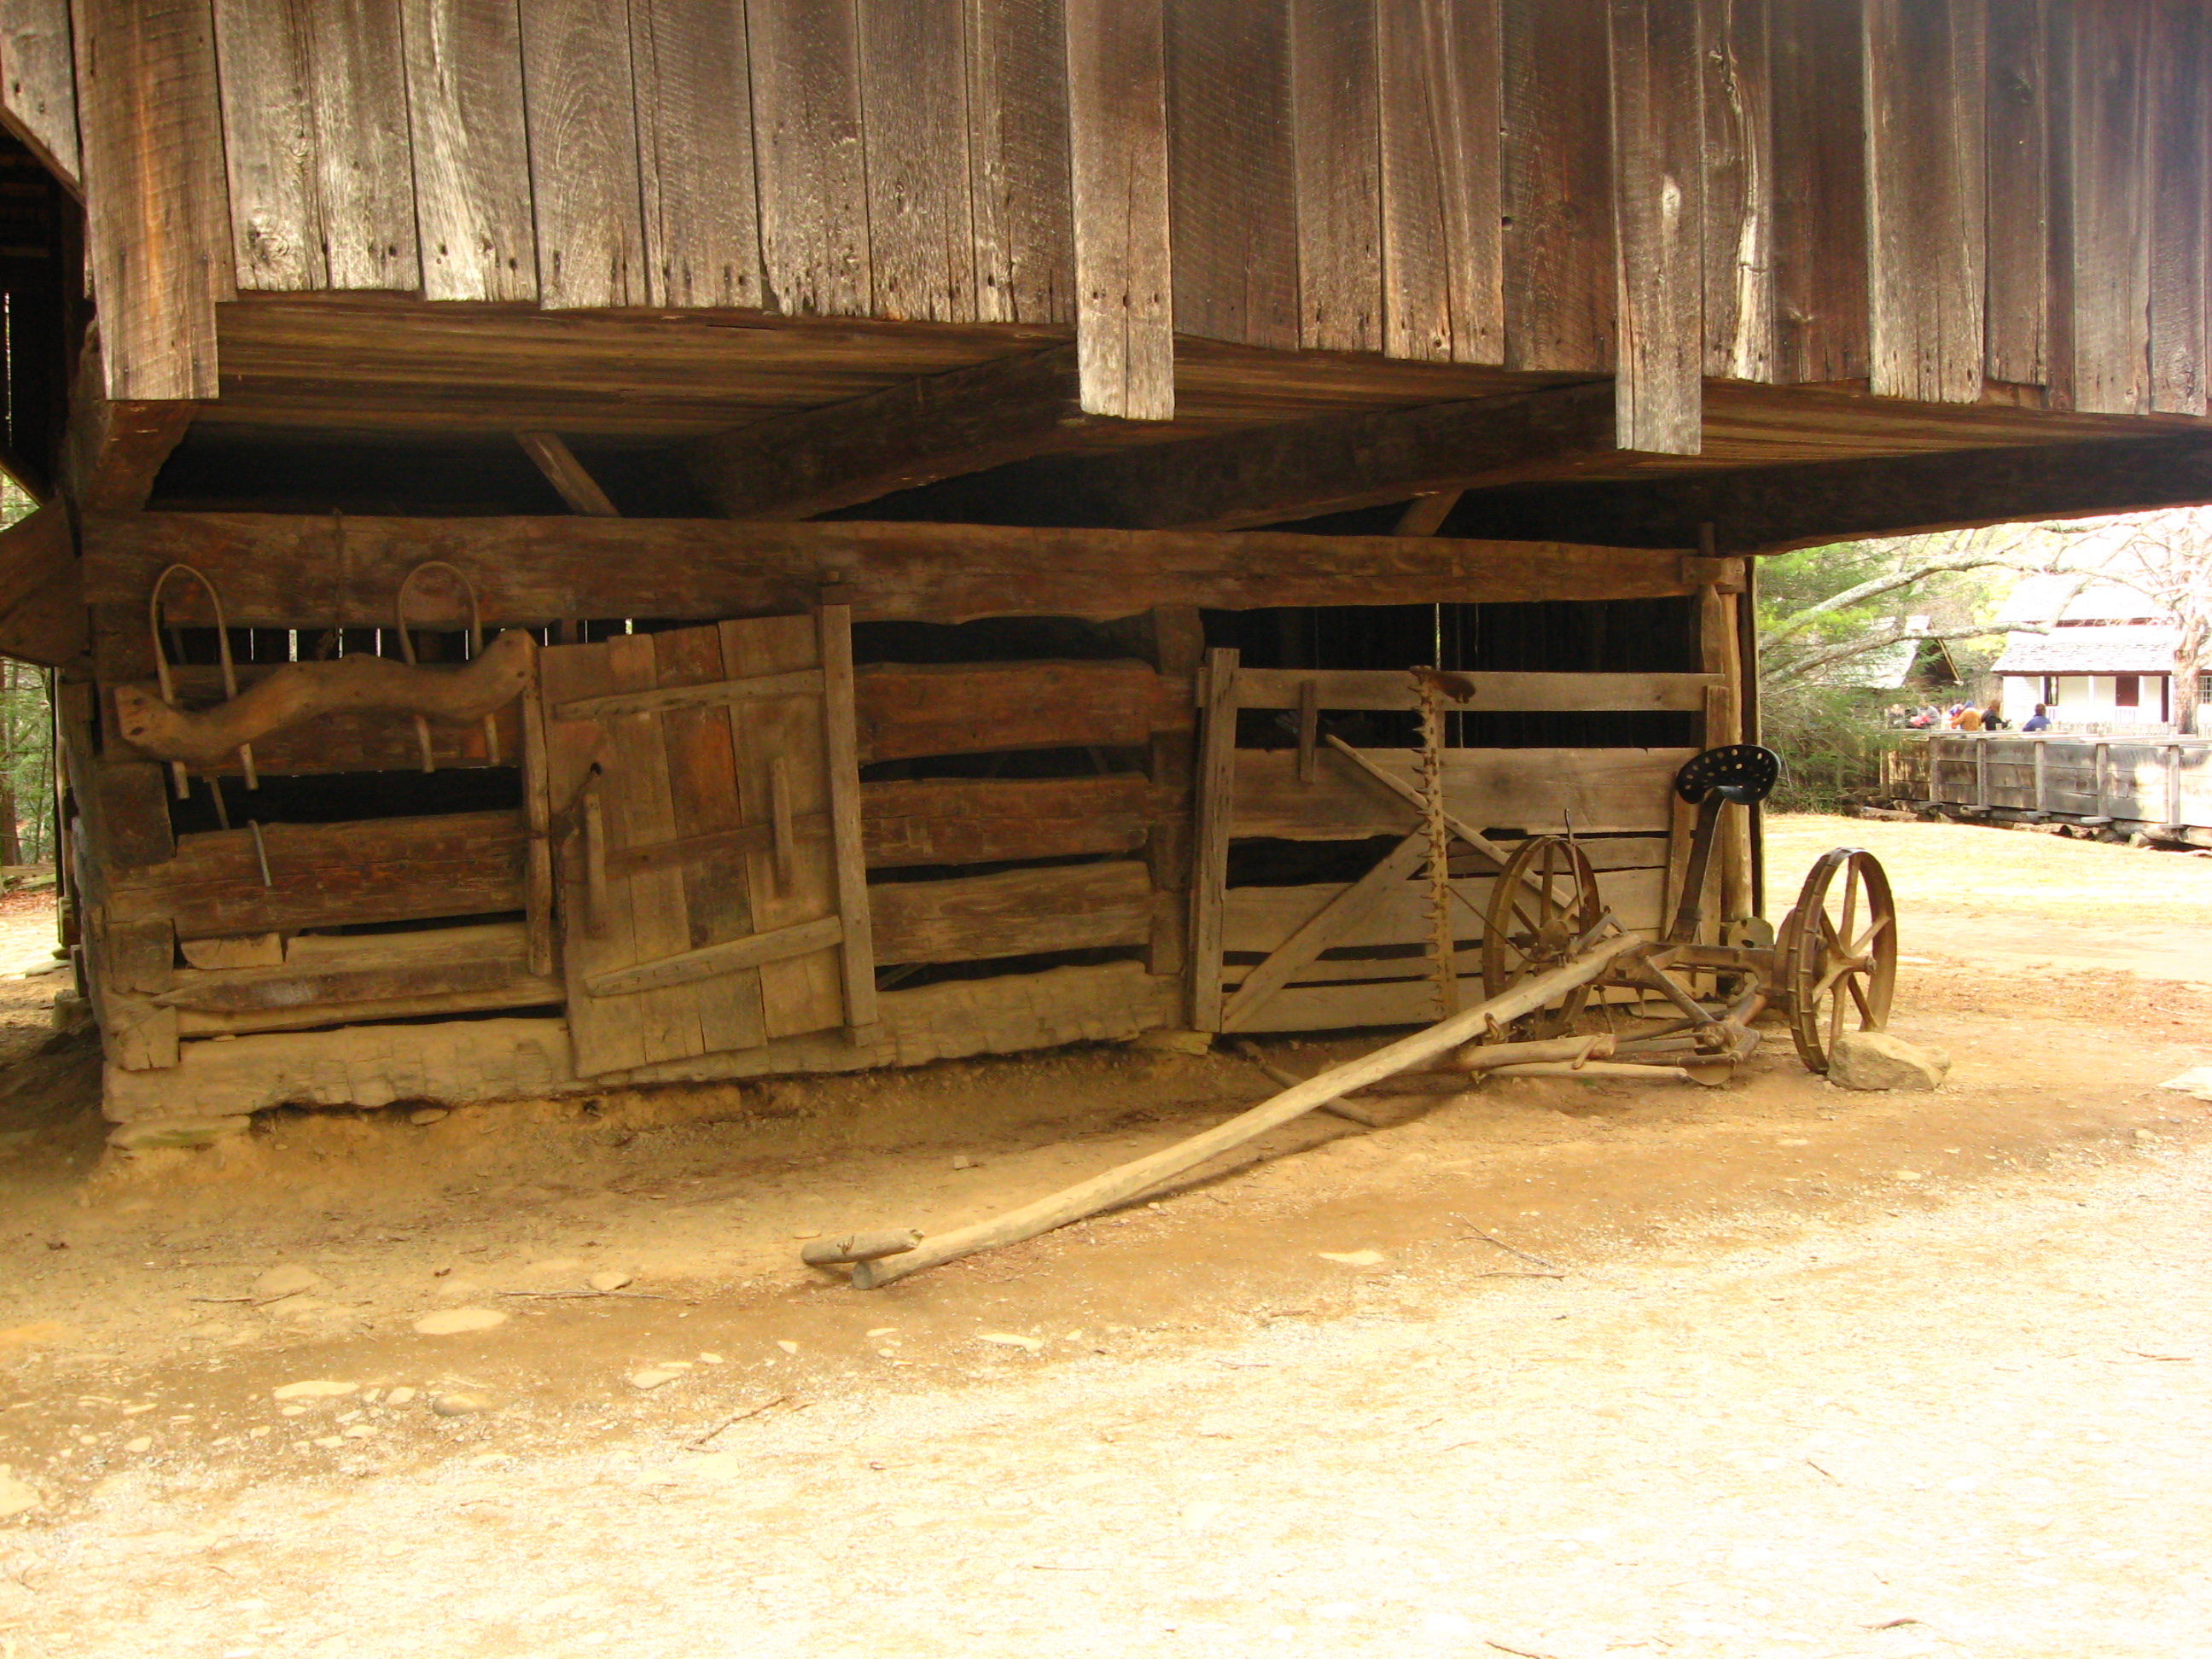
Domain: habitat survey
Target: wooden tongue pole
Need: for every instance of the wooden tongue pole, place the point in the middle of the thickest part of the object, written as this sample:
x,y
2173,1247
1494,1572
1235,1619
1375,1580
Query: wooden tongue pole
x,y
1115,1186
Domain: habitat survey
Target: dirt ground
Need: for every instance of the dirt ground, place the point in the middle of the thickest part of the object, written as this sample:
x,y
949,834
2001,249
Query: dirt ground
x,y
1555,1369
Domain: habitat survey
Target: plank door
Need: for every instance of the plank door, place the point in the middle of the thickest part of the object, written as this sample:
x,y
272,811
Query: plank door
x,y
705,798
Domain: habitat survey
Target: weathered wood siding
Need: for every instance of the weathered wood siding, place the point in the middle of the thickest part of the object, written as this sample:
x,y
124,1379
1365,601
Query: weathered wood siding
x,y
1926,197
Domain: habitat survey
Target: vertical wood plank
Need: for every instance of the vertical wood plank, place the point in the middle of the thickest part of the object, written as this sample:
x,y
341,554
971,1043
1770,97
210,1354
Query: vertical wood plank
x,y
156,205
1217,809
269,145
1560,286
1124,275
2020,195
807,144
2058,146
1233,202
1338,150
595,936
914,87
841,776
1439,69
643,813
2178,163
1658,146
364,178
1928,245
38,82
1819,190
1020,190
2111,234
581,109
800,993
1739,190
695,147
472,151
702,781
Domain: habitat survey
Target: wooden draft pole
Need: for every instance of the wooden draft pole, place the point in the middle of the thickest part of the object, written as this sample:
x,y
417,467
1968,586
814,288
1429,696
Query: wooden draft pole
x,y
1115,1186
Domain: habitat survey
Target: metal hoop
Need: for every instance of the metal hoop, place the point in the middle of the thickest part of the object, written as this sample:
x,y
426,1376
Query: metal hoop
x,y
162,668
476,649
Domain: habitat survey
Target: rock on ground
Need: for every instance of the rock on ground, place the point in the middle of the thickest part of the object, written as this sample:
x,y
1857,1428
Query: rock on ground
x,y
1876,1060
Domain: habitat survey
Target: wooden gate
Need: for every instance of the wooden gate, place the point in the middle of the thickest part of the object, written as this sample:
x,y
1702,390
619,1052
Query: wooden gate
x,y
704,799
1331,956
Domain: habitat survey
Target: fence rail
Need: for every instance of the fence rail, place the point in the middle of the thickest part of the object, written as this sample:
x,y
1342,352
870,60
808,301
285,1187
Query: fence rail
x,y
2154,782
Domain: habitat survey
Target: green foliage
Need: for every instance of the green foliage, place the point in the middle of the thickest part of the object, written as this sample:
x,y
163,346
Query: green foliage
x,y
27,757
1831,740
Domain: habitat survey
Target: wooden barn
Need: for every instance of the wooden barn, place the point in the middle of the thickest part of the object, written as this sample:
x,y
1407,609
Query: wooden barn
x,y
592,542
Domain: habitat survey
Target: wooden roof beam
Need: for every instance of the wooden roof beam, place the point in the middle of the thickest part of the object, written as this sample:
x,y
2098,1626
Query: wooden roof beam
x,y
1265,475
536,570
1772,509
112,449
940,426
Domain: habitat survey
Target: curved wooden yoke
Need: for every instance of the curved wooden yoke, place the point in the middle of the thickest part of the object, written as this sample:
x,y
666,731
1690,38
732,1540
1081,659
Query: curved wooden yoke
x,y
475,650
162,667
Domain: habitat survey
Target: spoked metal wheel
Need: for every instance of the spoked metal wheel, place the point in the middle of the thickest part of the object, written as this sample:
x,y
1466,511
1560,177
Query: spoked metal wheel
x,y
1837,953
1543,901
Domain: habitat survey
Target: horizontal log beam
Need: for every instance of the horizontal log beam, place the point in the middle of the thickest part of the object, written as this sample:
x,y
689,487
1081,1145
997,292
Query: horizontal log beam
x,y
1015,913
989,820
910,710
1269,474
324,875
795,466
283,571
1774,509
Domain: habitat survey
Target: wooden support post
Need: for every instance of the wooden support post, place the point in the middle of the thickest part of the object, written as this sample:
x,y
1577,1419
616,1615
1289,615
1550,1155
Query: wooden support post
x,y
1719,653
1178,652
1982,771
2174,785
2042,775
2099,758
1309,729
537,818
1217,777
841,734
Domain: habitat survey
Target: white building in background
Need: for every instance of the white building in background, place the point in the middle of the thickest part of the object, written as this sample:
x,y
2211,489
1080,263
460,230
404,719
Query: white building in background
x,y
2107,661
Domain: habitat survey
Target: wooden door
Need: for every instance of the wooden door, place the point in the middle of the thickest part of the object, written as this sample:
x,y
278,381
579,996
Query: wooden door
x,y
705,801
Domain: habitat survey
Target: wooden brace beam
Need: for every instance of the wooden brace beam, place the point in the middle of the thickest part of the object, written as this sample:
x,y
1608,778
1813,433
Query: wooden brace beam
x,y
1270,474
533,571
1773,508
937,427
567,475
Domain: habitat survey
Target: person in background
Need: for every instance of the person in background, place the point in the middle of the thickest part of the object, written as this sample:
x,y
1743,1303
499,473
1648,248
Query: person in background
x,y
1993,717
2038,721
1969,720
